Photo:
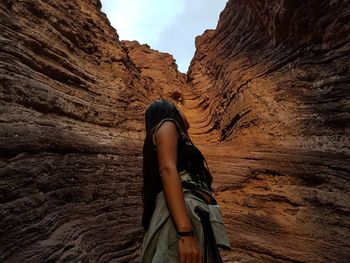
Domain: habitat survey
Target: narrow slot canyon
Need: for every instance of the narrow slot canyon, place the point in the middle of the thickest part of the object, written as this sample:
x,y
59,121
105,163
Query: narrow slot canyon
x,y
267,97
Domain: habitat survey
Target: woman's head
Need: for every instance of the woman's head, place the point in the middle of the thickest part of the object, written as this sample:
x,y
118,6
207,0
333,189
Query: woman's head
x,y
161,109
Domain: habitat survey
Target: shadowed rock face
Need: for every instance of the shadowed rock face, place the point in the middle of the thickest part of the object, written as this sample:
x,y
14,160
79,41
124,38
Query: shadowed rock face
x,y
71,108
72,104
267,99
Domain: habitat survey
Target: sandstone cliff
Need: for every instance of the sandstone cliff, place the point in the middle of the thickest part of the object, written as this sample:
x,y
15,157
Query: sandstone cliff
x,y
72,103
267,98
159,69
279,73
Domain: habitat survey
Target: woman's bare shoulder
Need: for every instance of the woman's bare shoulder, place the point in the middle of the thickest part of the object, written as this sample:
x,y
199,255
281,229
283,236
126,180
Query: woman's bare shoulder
x,y
168,129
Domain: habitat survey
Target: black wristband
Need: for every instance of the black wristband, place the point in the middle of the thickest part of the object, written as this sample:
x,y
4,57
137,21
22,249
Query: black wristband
x,y
181,234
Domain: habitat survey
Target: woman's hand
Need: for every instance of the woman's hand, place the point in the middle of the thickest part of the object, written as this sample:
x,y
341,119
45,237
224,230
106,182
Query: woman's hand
x,y
189,250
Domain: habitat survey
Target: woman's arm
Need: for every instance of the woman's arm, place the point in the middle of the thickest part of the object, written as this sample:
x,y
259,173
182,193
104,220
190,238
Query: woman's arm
x,y
166,139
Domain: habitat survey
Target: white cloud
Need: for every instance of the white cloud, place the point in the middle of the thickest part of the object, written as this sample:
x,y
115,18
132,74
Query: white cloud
x,y
142,20
166,25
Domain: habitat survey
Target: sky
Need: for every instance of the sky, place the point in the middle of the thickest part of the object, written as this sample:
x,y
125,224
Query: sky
x,y
166,25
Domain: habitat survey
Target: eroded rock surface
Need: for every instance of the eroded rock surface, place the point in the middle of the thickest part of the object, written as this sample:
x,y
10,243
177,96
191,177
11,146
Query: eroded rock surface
x,y
159,70
279,73
267,98
72,104
72,127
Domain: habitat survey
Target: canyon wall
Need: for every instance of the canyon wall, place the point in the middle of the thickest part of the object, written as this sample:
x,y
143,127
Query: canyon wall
x,y
268,102
275,65
271,86
71,132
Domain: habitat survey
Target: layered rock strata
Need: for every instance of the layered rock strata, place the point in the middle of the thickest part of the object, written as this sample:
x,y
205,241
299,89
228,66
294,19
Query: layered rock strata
x,y
71,130
271,85
159,70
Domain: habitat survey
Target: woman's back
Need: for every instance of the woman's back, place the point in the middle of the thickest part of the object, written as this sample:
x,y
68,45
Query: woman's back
x,y
190,162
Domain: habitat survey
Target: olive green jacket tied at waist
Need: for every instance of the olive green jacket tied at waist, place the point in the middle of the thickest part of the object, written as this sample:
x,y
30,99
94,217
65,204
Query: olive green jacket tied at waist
x,y
160,243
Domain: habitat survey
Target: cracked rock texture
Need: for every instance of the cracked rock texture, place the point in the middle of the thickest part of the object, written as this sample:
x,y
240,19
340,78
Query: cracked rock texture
x,y
267,97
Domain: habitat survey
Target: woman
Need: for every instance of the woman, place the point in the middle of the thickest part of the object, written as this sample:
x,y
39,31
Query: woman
x,y
181,218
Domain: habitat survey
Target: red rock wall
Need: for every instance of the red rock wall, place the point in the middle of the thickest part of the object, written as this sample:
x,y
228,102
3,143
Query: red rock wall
x,y
72,104
65,85
272,83
159,70
274,65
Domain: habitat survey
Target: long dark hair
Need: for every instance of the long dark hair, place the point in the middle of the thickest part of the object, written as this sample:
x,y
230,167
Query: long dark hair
x,y
157,111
